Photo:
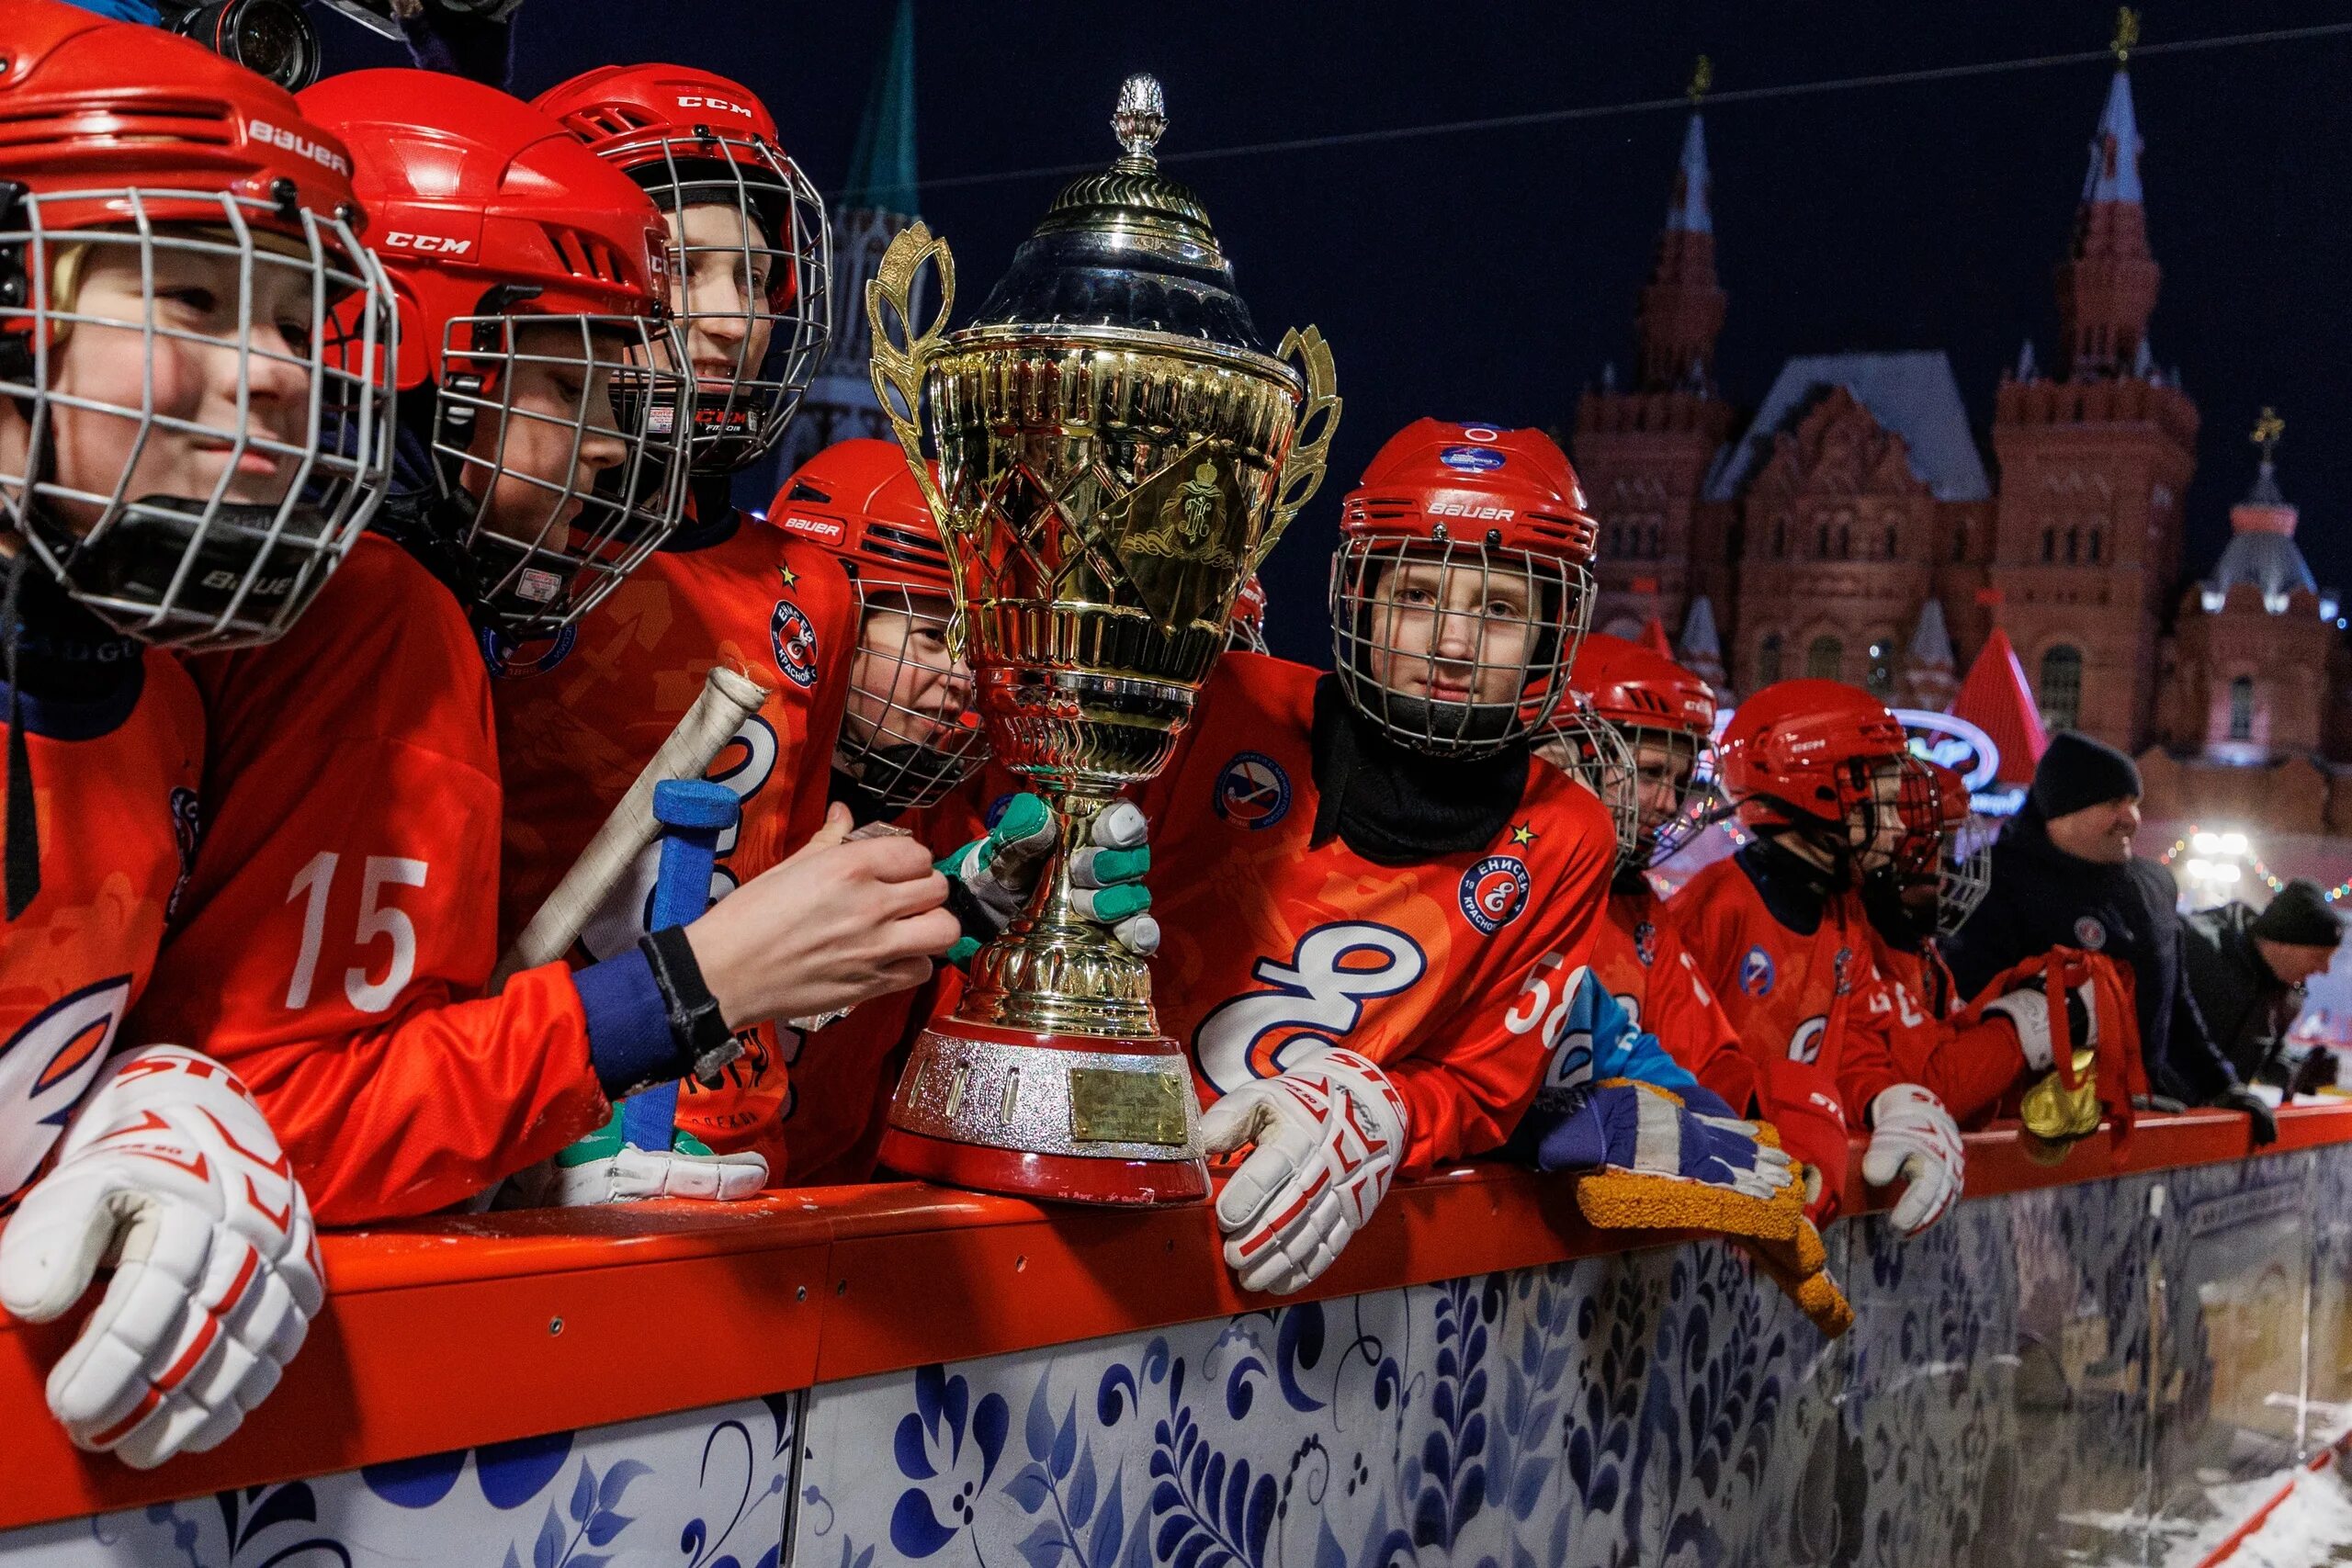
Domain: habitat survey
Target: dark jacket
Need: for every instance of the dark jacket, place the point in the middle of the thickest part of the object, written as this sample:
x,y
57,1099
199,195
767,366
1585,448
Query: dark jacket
x,y
2246,1008
2042,897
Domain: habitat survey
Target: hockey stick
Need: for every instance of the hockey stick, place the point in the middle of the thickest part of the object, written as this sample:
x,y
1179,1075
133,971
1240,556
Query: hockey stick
x,y
728,698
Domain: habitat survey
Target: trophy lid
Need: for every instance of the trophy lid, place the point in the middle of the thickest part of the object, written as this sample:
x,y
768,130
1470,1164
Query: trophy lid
x,y
1126,248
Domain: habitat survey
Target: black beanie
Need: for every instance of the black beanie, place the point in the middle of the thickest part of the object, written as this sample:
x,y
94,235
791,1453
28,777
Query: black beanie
x,y
2078,771
2299,916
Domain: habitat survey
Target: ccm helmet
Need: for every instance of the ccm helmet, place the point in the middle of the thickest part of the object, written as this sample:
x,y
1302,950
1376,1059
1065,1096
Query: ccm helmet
x,y
752,281
1828,757
518,256
1462,586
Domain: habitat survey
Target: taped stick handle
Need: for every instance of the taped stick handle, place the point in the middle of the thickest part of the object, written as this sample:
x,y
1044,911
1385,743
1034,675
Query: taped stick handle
x,y
729,698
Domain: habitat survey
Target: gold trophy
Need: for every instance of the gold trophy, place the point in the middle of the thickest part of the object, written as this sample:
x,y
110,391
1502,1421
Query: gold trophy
x,y
1117,453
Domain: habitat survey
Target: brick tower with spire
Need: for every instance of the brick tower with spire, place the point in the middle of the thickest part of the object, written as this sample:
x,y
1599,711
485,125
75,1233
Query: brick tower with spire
x,y
2094,461
1642,451
877,199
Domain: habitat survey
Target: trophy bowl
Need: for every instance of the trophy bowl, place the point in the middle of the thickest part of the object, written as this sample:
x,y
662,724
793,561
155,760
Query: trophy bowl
x,y
1117,454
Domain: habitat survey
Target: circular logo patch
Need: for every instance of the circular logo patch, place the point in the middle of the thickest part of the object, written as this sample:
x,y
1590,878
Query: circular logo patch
x,y
795,644
1645,943
2090,933
1472,459
1251,791
1756,972
1493,892
506,659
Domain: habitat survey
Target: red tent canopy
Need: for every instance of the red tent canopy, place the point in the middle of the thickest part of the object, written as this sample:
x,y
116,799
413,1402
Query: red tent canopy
x,y
1996,700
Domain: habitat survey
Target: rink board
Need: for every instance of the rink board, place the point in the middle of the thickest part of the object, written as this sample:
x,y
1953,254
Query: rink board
x,y
2056,1373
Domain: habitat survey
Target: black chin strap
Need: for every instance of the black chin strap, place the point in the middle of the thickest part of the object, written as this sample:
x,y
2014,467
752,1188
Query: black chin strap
x,y
23,845
1397,806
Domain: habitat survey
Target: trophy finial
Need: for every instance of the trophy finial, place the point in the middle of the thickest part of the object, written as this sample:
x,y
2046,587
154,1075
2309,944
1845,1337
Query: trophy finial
x,y
1141,117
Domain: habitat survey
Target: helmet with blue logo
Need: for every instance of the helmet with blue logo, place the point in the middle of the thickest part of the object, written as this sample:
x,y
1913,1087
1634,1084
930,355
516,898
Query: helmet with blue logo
x,y
1462,586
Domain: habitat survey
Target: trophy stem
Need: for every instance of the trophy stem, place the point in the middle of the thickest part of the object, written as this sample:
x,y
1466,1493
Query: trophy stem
x,y
1054,970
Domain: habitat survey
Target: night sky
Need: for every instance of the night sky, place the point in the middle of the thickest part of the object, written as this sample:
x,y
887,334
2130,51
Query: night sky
x,y
1489,275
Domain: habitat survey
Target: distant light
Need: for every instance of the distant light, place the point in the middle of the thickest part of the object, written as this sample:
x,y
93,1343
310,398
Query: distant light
x,y
2233,843
2207,843
2200,870
2225,874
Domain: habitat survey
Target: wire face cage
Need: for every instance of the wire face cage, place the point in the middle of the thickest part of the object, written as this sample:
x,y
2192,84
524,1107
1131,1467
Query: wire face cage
x,y
207,404
910,733
562,436
1456,649
751,258
1596,754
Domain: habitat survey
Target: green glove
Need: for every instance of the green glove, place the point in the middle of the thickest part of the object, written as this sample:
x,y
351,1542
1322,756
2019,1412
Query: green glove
x,y
999,872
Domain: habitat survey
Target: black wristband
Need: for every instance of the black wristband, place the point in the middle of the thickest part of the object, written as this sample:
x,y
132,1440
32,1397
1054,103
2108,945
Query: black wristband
x,y
697,1027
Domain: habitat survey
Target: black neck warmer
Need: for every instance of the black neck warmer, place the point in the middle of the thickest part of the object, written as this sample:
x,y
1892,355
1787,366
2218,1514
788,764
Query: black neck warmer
x,y
1628,880
1794,890
1397,806
865,805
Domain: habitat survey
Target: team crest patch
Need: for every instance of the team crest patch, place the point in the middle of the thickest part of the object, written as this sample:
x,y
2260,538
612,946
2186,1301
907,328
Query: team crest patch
x,y
505,658
1756,973
1251,791
795,644
1493,892
2090,933
1645,943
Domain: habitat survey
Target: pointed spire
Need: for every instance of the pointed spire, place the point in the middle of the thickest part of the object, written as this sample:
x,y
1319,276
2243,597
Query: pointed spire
x,y
1688,212
2107,285
2114,174
1681,309
1996,700
1608,376
1701,652
1654,639
882,161
1931,644
2026,369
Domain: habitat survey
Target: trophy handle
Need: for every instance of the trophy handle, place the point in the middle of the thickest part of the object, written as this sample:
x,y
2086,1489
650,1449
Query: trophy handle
x,y
1310,447
899,361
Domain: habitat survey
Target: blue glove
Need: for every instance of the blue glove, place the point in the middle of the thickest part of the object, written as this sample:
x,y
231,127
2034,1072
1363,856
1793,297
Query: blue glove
x,y
1624,1126
996,874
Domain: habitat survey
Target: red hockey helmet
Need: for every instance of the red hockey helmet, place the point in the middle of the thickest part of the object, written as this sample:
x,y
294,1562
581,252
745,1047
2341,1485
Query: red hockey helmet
x,y
1589,748
1819,754
1666,716
160,202
910,733
1461,585
518,256
753,294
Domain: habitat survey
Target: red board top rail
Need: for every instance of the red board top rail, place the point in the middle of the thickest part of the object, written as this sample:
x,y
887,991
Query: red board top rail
x,y
455,1331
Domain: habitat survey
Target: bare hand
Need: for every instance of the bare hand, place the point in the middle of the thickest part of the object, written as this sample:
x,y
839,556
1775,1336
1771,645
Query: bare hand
x,y
837,924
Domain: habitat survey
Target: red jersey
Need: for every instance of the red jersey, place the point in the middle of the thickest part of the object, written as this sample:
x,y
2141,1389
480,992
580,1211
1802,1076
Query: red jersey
x,y
1454,975
576,726
1811,1008
1638,956
114,793
341,918
1972,1070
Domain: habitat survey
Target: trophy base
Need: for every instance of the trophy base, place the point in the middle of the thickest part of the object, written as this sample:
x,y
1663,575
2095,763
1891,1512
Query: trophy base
x,y
1065,1118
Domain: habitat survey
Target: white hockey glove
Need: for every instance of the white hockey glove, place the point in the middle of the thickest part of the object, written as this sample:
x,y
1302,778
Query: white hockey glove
x,y
2028,1010
1327,1137
604,1168
998,872
169,1175
1913,1136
